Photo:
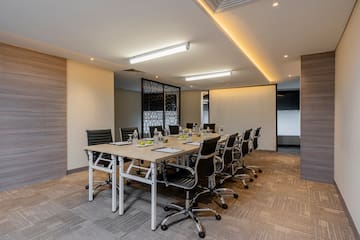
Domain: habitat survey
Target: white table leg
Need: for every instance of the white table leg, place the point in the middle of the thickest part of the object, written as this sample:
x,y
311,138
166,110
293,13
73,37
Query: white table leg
x,y
153,195
91,175
121,186
113,179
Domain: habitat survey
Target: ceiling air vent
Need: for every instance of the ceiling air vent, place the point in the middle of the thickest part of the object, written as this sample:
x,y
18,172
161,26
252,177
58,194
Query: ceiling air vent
x,y
221,5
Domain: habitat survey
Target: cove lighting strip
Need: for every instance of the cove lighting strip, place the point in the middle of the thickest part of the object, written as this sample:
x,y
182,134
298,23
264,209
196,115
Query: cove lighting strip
x,y
240,41
208,76
160,53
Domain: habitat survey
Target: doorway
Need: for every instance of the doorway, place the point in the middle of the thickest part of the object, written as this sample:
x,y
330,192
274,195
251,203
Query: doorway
x,y
288,116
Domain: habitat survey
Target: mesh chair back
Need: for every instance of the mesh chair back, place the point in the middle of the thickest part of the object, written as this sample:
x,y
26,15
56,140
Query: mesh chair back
x,y
189,125
205,162
229,148
124,132
95,137
245,146
210,125
152,129
256,137
174,129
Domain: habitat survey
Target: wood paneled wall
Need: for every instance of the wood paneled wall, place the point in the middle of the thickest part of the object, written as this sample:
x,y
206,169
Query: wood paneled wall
x,y
317,116
32,116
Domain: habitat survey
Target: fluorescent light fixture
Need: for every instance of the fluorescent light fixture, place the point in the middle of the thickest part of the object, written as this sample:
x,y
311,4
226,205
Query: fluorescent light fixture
x,y
160,53
208,76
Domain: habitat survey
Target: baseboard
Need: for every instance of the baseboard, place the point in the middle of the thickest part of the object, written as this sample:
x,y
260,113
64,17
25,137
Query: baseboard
x,y
316,179
75,170
353,226
287,145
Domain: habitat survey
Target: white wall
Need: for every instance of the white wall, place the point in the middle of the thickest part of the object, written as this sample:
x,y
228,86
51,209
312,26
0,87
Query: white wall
x,y
90,105
288,122
347,116
238,109
190,107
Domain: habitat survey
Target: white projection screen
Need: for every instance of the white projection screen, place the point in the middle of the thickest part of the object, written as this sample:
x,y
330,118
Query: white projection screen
x,y
237,109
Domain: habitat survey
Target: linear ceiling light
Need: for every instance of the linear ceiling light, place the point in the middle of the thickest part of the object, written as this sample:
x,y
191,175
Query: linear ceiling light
x,y
208,76
160,53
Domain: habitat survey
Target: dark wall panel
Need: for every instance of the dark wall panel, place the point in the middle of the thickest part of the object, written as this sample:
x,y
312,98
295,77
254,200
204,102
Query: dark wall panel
x,y
32,116
317,116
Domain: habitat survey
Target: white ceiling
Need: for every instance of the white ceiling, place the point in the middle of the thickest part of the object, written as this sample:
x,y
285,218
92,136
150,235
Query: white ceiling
x,y
112,31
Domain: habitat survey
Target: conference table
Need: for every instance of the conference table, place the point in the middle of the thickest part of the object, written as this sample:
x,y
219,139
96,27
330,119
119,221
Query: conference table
x,y
155,154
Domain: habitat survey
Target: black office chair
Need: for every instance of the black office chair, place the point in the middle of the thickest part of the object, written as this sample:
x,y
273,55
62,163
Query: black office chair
x,y
174,129
190,125
211,126
124,133
254,146
255,138
152,129
187,178
124,136
95,137
245,150
223,159
232,165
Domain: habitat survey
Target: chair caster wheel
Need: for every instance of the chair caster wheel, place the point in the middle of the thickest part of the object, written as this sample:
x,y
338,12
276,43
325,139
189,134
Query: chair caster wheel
x,y
164,227
166,209
260,171
246,187
251,179
201,234
218,217
255,176
236,195
224,206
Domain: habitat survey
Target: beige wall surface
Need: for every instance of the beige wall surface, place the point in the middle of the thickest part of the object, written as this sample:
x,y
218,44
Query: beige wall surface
x,y
127,110
347,116
237,109
90,105
190,107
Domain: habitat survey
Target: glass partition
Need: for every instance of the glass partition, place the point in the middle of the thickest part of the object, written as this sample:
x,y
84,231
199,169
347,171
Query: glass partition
x,y
160,105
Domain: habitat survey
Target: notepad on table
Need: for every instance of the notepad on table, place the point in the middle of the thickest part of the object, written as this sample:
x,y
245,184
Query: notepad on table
x,y
167,150
194,143
120,143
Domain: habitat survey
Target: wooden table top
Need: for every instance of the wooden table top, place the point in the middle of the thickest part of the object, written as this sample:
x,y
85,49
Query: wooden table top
x,y
147,153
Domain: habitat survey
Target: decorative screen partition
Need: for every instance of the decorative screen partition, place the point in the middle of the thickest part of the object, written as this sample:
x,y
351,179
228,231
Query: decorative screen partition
x,y
160,105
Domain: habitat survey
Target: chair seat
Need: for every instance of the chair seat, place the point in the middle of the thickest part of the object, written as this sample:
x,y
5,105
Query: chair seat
x,y
181,178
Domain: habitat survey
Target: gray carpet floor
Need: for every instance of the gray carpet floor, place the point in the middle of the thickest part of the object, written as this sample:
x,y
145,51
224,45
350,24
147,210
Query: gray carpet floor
x,y
278,205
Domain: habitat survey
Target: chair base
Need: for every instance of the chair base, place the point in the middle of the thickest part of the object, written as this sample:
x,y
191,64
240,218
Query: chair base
x,y
243,177
223,192
189,212
254,170
220,193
